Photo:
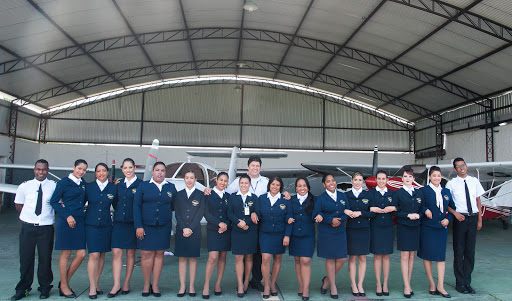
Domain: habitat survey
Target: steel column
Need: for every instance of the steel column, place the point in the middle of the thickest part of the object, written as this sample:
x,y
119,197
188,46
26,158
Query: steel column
x,y
43,121
489,131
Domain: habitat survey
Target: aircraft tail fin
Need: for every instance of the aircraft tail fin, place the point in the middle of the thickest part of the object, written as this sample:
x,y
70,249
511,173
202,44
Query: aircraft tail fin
x,y
152,158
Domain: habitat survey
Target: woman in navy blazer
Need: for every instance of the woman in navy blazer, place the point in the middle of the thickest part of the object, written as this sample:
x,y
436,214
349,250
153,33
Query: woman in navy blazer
x,y
274,235
244,233
358,232
408,204
152,216
188,206
331,210
382,234
68,201
99,195
434,229
302,240
123,232
218,233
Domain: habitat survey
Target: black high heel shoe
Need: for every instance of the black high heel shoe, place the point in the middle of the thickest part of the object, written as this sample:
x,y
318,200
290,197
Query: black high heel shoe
x,y
110,295
95,296
218,293
182,294
72,295
323,290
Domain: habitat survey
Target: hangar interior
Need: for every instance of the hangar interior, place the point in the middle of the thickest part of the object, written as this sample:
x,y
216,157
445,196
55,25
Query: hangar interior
x,y
424,80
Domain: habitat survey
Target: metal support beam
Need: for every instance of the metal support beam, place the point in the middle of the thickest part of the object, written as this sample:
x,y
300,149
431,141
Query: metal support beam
x,y
254,65
293,38
410,48
489,131
323,124
439,137
236,33
188,37
375,10
412,136
146,55
12,133
239,49
241,115
141,139
43,121
69,37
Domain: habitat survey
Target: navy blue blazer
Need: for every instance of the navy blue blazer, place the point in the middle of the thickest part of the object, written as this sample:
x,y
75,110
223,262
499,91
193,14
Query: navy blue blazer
x,y
405,204
430,203
236,211
328,209
382,201
152,206
363,204
99,202
304,225
274,218
216,211
72,196
189,210
124,206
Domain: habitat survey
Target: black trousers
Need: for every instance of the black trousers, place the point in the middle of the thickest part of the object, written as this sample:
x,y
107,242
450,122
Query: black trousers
x,y
32,237
464,240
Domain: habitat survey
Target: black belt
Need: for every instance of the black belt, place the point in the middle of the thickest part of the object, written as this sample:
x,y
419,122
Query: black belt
x,y
470,214
33,224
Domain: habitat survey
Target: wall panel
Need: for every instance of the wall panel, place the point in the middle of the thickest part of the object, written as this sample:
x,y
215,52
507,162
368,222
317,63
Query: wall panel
x,y
92,132
281,137
366,140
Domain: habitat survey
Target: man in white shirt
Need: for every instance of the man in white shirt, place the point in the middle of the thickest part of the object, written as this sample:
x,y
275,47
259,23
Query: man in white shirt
x,y
37,217
466,192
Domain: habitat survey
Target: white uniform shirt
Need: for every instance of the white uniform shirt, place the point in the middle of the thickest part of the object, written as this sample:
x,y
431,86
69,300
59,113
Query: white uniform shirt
x,y
219,193
458,190
130,182
439,196
258,186
189,191
410,191
27,195
75,179
302,198
357,192
101,185
158,185
382,191
244,196
334,196
273,199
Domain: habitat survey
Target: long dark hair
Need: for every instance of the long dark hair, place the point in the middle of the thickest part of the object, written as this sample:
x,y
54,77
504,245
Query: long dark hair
x,y
310,200
276,178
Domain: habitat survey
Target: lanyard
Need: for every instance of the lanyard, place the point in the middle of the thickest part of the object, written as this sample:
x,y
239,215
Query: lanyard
x,y
254,188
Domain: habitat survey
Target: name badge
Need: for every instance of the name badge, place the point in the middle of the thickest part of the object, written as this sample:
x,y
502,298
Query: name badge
x,y
247,211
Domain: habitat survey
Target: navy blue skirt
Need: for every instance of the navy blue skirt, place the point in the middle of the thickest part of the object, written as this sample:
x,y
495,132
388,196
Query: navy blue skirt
x,y
216,241
332,245
243,243
67,238
408,237
433,243
124,236
187,246
382,239
98,238
302,246
272,242
156,238
358,241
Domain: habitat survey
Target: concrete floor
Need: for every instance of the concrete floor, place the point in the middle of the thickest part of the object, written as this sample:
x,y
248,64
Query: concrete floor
x,y
491,279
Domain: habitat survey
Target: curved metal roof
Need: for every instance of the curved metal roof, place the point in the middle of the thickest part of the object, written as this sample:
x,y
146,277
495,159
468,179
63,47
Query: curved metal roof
x,y
412,58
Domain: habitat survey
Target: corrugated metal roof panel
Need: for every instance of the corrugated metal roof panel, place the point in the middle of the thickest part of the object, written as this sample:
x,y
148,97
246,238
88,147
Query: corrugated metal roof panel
x,y
423,59
212,13
283,16
496,10
483,77
92,132
340,116
192,134
163,53
279,137
392,83
67,71
262,51
306,58
349,69
17,83
433,98
425,139
215,49
424,123
124,108
27,126
266,106
4,118
122,59
152,15
366,140
215,103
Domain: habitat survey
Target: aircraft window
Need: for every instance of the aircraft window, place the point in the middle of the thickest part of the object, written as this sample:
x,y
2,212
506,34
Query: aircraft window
x,y
170,169
196,168
211,176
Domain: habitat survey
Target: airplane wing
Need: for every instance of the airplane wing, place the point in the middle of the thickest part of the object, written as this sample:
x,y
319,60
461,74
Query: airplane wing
x,y
8,188
241,154
485,171
348,169
283,173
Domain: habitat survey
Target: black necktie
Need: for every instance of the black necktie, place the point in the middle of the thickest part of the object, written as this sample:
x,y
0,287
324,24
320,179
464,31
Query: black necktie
x,y
39,205
468,199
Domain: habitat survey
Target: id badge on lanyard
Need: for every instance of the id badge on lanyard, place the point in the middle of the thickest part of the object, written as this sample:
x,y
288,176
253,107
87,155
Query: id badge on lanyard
x,y
247,210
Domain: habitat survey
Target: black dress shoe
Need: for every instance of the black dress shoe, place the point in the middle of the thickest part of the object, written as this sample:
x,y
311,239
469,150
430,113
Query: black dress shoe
x,y
240,295
470,289
158,295
378,294
323,290
44,295
334,296
436,292
110,295
72,295
362,294
305,298
299,294
444,295
206,296
462,289
125,292
192,294
266,296
355,294
19,295
273,294
407,295
182,294
95,296
412,293
218,293
100,292
385,293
